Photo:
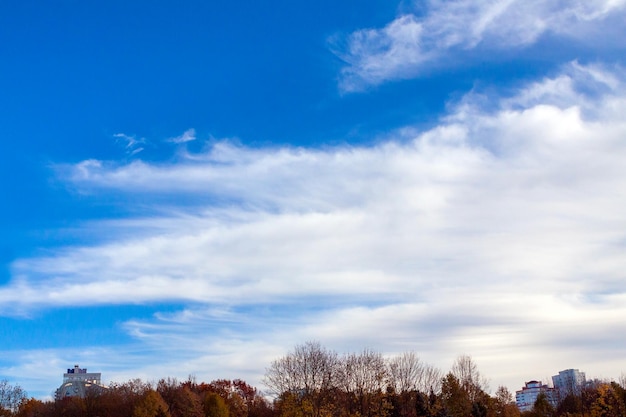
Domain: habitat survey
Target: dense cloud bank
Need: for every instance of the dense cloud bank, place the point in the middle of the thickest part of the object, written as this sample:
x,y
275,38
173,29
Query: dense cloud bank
x,y
499,230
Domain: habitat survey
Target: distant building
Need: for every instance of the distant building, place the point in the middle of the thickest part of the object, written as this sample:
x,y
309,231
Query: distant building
x,y
569,381
77,381
526,397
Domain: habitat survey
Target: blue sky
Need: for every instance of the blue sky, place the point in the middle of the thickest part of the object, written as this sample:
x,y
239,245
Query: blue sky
x,y
196,187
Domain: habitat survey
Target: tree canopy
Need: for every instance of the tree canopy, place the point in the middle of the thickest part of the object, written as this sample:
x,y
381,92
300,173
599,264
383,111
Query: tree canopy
x,y
312,381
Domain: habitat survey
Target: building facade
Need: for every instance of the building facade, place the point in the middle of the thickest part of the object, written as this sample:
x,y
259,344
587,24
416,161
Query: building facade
x,y
569,381
526,397
77,382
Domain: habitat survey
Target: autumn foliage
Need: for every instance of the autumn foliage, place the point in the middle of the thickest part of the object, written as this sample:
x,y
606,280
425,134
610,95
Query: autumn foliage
x,y
167,398
312,381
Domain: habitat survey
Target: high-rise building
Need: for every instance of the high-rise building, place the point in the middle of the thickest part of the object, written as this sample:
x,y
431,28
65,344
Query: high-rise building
x,y
569,381
77,381
526,397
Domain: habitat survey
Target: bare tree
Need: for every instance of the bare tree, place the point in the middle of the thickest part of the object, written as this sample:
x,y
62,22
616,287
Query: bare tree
x,y
431,380
411,381
310,367
466,371
405,372
10,396
363,376
364,372
308,373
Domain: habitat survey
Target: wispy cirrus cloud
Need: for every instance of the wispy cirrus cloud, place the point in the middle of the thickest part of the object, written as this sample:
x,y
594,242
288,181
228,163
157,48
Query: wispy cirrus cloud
x,y
503,224
132,144
533,168
187,136
415,42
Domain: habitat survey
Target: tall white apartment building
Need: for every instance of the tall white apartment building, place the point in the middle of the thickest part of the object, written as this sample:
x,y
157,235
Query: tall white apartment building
x,y
569,381
526,397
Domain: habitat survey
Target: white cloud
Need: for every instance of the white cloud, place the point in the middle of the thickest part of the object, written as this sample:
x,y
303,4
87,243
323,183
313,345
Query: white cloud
x,y
132,144
498,233
188,136
465,196
410,44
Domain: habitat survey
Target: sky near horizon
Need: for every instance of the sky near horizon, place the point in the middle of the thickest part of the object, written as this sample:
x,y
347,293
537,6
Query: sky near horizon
x,y
194,188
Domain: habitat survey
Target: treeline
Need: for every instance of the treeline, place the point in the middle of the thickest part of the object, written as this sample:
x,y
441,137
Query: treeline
x,y
312,381
166,398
